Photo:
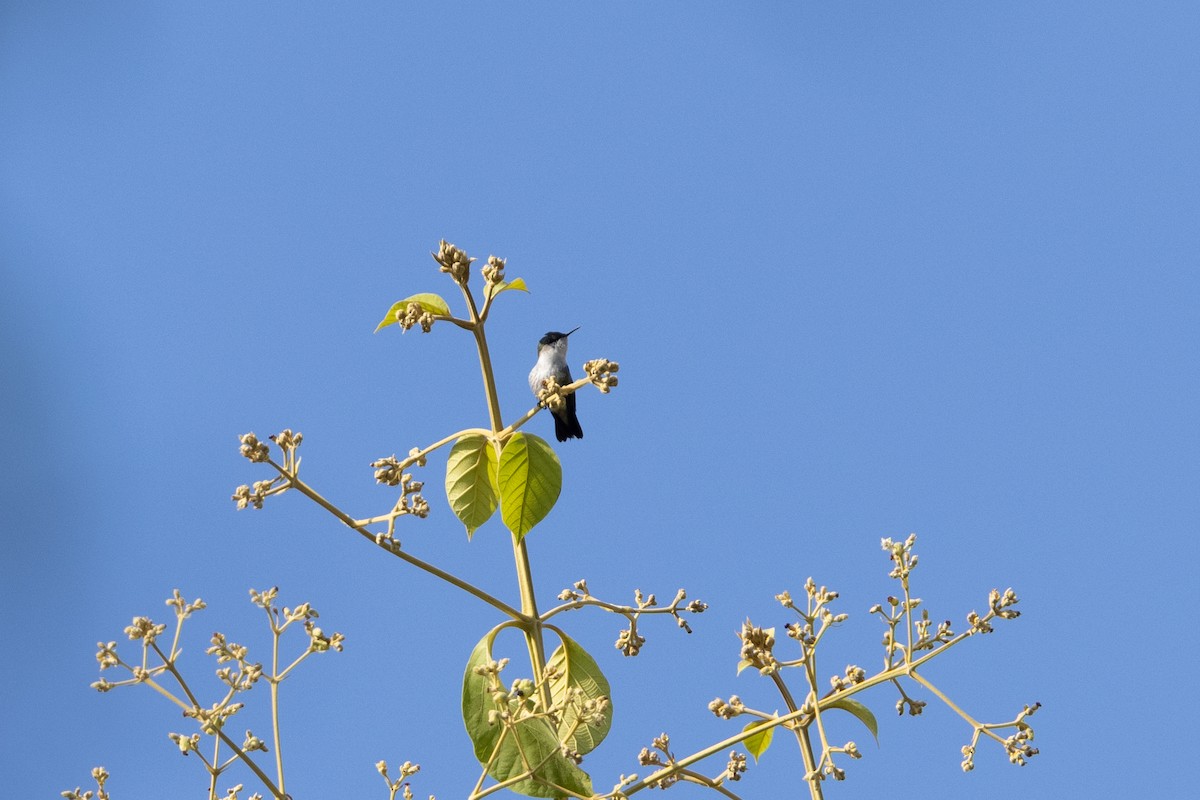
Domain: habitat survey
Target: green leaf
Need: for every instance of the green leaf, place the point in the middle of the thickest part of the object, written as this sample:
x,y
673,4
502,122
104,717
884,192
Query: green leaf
x,y
432,303
759,742
471,480
508,752
859,710
503,286
530,480
476,700
578,670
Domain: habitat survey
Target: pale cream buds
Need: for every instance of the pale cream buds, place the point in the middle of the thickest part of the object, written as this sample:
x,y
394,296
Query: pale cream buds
x,y
143,628
551,396
493,271
968,762
414,314
914,707
253,449
854,675
186,744
649,758
453,261
602,373
286,439
319,642
106,654
736,766
252,743
629,642
184,609
226,650
727,710
388,471
757,646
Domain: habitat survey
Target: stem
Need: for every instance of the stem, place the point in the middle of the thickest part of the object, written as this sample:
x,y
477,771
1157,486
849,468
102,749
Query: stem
x,y
295,483
485,361
802,737
531,626
533,629
704,780
274,682
970,720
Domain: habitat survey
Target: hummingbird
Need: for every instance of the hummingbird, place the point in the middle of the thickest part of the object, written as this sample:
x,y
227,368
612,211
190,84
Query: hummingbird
x,y
552,363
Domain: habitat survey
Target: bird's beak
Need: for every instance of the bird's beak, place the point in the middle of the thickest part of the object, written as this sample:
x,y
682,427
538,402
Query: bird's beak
x,y
568,333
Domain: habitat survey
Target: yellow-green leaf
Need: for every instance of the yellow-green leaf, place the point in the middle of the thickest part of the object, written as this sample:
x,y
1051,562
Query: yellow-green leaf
x,y
530,480
575,669
757,744
859,710
503,286
471,481
432,303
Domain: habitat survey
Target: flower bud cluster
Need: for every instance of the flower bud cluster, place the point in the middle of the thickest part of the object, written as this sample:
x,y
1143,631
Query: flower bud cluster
x,y
914,707
1018,748
106,654
659,756
902,557
629,641
493,271
319,642
407,770
390,472
244,679
578,593
818,595
184,609
252,743
802,632
727,710
736,766
143,628
186,744
414,314
226,650
1001,603
286,439
1018,745
253,449
453,261
602,373
757,648
592,712
100,776
246,496
551,396
854,675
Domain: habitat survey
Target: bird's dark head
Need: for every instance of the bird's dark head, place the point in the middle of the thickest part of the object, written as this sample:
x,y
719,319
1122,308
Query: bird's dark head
x,y
553,336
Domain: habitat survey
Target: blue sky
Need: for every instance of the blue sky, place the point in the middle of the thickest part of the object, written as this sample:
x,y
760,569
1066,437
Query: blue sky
x,y
869,269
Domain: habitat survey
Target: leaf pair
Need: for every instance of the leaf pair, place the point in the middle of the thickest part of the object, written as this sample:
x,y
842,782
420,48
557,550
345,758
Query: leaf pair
x,y
525,480
531,746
